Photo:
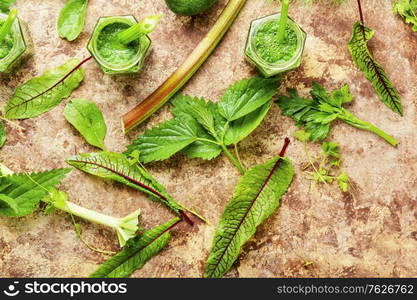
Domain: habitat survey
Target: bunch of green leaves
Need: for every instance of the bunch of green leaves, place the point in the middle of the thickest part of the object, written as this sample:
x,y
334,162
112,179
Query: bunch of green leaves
x,y
204,129
71,19
256,196
316,115
326,167
136,252
87,118
41,94
5,5
407,9
373,71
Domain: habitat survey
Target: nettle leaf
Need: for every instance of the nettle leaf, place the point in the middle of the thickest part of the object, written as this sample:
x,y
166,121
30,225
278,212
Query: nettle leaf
x,y
5,4
202,128
317,115
71,19
247,95
41,94
257,196
87,118
3,135
20,194
407,9
372,70
137,252
117,167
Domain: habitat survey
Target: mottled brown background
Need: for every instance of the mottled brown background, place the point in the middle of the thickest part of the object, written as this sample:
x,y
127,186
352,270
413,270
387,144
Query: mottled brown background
x,y
373,233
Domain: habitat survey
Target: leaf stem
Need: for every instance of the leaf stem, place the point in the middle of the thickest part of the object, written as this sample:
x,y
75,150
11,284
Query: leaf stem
x,y
233,160
283,20
7,25
134,32
181,76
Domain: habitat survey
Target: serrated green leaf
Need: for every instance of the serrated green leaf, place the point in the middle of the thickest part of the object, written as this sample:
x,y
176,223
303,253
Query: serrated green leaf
x,y
87,118
372,70
5,4
41,94
241,128
117,167
137,252
407,9
246,96
71,19
257,196
168,138
28,192
3,135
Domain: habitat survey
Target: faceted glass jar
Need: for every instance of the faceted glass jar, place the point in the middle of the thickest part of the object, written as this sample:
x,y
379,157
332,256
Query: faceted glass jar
x,y
270,69
22,46
130,67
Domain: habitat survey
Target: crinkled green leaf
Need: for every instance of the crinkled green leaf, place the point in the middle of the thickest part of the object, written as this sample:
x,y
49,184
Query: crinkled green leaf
x,y
372,70
246,96
136,253
87,118
117,167
407,9
71,19
317,115
40,94
241,128
5,4
3,135
257,196
23,193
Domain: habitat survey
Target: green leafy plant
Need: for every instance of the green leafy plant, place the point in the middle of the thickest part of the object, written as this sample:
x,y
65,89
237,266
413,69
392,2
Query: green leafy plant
x,y
180,77
325,168
71,19
41,94
317,114
87,118
256,196
407,9
372,70
137,252
20,195
205,129
189,7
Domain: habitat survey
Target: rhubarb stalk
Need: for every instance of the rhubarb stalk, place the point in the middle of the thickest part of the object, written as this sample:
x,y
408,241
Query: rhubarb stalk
x,y
176,81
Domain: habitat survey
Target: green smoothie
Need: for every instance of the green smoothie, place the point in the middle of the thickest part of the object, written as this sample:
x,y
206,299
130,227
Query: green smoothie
x,y
269,49
111,50
6,45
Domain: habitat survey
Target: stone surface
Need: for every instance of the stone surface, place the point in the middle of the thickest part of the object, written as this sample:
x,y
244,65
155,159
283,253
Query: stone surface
x,y
370,233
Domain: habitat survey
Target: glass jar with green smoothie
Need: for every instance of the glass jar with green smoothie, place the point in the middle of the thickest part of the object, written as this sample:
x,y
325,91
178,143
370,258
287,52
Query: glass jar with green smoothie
x,y
275,43
15,42
120,44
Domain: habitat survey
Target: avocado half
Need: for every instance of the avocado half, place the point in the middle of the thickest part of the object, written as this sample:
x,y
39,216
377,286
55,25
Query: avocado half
x,y
189,7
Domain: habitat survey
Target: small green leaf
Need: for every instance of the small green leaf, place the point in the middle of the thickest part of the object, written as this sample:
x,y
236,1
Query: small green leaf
x,y
137,252
41,94
302,135
246,96
3,135
117,167
407,9
343,182
27,192
331,149
71,19
257,196
372,70
87,118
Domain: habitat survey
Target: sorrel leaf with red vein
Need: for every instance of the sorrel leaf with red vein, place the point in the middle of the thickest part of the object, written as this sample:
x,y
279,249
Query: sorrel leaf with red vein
x,y
42,93
256,197
117,167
